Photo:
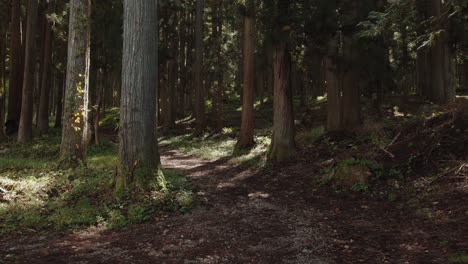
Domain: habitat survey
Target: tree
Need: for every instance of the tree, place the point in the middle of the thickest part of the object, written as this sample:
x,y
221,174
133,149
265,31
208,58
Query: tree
x,y
138,149
443,88
199,90
283,144
3,51
46,74
16,64
25,127
75,119
246,138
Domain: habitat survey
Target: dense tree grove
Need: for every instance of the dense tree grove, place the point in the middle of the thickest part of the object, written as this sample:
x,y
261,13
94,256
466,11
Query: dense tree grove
x,y
63,61
282,121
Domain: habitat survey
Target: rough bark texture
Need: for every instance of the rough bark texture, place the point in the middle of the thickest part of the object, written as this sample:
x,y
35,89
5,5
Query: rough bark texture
x,y
246,137
443,90
343,92
334,119
16,63
59,101
43,123
219,93
138,149
199,90
75,118
25,126
283,145
2,79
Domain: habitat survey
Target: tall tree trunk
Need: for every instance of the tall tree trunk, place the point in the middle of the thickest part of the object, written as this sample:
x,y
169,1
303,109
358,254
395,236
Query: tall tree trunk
x,y
25,132
97,107
199,88
138,148
246,137
334,81
16,64
75,118
46,74
443,90
283,145
59,100
219,94
3,38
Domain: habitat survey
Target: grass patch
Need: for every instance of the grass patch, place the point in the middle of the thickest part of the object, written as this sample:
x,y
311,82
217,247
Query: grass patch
x,y
38,196
221,147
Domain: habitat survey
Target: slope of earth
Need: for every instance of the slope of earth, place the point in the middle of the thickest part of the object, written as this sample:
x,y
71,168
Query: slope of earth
x,y
277,215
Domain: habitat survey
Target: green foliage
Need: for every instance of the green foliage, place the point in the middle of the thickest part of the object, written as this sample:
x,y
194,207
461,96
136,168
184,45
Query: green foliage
x,y
110,120
459,258
220,147
40,196
360,188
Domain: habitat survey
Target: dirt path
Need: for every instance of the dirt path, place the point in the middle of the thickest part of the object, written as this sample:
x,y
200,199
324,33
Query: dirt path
x,y
276,216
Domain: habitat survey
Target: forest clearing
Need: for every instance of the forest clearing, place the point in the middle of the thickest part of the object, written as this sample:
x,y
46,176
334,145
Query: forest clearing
x,y
205,131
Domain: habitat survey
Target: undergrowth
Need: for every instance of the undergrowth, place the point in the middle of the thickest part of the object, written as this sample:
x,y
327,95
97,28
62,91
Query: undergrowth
x,y
36,195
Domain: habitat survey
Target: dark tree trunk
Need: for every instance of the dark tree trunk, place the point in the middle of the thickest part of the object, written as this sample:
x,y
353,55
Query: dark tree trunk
x,y
59,101
283,145
98,105
16,64
138,148
246,138
443,90
333,77
25,132
219,92
199,89
75,131
3,38
46,74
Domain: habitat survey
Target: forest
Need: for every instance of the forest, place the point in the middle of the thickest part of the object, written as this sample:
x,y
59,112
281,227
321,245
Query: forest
x,y
240,131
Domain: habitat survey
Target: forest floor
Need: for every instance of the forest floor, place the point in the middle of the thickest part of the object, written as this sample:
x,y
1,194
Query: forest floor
x,y
413,209
275,215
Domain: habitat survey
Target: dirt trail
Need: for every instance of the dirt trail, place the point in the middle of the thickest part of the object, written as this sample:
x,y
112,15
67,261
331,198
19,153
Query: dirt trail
x,y
245,216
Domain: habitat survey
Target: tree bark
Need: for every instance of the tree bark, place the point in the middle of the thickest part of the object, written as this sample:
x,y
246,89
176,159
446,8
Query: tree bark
x,y
199,89
3,38
443,90
75,130
138,149
25,132
334,117
43,123
218,38
283,144
246,137
59,100
16,64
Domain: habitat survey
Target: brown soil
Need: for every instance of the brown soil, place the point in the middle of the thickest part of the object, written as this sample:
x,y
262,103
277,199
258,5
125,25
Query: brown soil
x,y
277,215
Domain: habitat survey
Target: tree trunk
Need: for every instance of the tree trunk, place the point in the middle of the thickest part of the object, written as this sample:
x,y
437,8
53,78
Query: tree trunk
x,y
334,118
75,118
59,101
97,107
199,89
246,138
3,38
16,65
443,90
138,148
25,132
218,38
46,73
283,145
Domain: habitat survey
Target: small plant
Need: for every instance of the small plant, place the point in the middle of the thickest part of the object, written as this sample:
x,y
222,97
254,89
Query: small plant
x,y
392,197
360,187
459,258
